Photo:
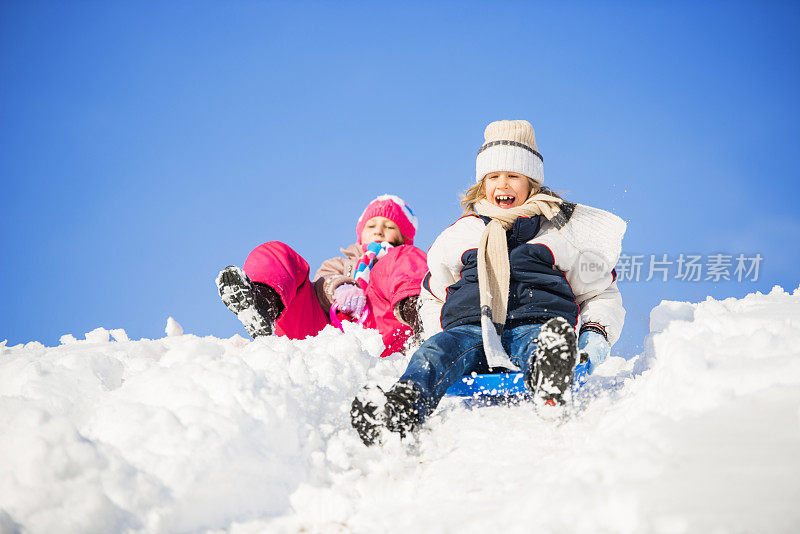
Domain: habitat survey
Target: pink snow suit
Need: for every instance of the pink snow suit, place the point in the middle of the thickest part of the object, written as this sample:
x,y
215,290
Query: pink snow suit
x,y
395,276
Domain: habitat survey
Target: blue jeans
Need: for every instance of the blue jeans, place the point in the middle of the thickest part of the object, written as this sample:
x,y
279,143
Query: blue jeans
x,y
449,355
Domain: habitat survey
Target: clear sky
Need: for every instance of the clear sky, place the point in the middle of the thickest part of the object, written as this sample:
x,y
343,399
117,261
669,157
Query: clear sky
x,y
146,145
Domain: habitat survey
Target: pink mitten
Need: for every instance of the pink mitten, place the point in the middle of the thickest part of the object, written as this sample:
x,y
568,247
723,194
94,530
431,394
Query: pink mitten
x,y
350,299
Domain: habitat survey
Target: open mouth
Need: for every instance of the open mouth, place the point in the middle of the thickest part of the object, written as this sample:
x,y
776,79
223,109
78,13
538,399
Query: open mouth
x,y
504,201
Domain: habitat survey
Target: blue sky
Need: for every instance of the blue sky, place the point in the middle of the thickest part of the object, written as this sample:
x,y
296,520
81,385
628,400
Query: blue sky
x,y
144,146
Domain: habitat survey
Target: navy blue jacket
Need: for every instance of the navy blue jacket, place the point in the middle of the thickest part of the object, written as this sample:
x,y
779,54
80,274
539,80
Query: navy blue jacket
x,y
538,292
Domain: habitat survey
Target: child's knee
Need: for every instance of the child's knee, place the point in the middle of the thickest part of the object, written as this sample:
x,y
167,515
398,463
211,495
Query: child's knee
x,y
273,262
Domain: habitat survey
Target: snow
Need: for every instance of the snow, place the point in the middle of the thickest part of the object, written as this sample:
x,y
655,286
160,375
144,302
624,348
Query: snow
x,y
173,328
700,433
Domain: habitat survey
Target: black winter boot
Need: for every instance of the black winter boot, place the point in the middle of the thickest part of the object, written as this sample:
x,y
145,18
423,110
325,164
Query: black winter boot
x,y
256,305
407,310
374,410
402,408
268,302
368,414
552,362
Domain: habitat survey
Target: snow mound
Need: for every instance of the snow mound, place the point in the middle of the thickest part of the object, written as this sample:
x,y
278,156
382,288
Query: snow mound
x,y
186,434
171,435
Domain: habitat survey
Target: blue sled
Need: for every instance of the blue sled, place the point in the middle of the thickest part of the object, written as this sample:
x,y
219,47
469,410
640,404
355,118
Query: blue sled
x,y
505,384
488,385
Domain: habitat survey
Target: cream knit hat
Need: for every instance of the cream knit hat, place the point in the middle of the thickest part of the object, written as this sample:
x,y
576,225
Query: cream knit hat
x,y
510,146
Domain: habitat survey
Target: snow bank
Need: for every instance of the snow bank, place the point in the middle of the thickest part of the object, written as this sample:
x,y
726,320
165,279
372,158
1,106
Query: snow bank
x,y
700,433
171,435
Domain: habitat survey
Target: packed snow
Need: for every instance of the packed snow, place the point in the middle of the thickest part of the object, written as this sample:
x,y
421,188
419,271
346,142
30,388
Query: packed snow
x,y
700,433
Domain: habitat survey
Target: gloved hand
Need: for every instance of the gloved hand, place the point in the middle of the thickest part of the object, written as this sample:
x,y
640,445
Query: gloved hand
x,y
595,346
592,350
350,299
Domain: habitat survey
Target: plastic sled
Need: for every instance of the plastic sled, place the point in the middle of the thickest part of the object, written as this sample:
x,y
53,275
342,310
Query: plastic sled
x,y
505,384
337,317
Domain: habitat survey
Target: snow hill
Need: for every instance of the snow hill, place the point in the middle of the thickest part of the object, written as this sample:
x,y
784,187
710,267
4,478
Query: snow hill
x,y
700,433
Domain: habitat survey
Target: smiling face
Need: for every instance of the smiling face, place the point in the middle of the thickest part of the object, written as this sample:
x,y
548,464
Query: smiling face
x,y
507,189
381,229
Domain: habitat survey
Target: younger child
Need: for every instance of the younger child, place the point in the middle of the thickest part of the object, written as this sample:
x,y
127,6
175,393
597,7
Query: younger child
x,y
507,286
377,281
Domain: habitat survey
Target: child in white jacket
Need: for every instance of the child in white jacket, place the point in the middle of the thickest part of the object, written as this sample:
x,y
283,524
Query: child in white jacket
x,y
507,288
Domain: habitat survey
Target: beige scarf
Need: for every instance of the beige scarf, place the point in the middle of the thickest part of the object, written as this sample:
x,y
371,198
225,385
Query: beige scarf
x,y
494,271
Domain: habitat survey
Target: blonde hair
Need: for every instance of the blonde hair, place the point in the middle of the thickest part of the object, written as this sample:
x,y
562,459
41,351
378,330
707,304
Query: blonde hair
x,y
478,192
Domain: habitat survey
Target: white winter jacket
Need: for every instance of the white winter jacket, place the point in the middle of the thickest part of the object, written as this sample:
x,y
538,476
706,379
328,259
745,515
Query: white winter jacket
x,y
566,271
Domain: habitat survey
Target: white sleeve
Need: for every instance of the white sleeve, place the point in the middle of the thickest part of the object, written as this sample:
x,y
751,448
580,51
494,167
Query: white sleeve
x,y
430,313
434,286
605,308
587,249
599,299
444,270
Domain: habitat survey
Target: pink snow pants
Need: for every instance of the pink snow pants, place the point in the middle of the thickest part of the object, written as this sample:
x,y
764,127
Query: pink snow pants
x,y
277,265
395,276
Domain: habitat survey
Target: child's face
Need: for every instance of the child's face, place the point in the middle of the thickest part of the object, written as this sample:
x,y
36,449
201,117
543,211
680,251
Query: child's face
x,y
507,189
381,229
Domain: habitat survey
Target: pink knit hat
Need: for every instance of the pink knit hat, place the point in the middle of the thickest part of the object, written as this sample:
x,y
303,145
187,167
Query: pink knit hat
x,y
396,210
